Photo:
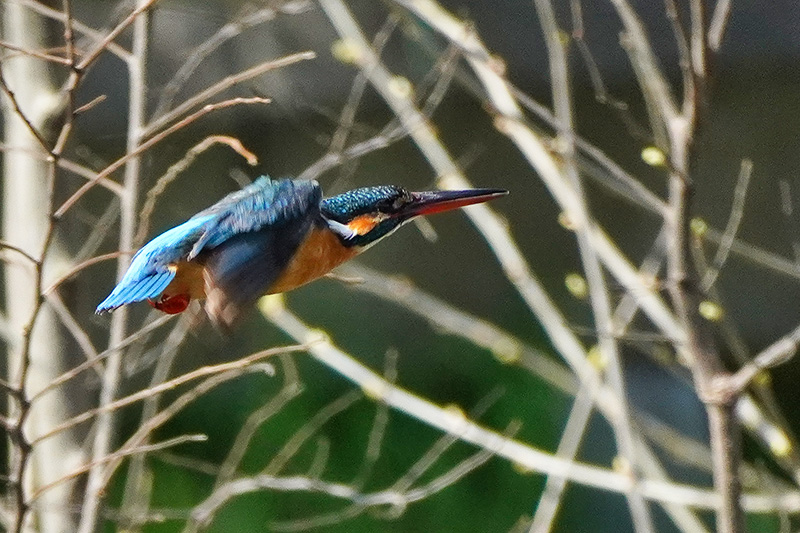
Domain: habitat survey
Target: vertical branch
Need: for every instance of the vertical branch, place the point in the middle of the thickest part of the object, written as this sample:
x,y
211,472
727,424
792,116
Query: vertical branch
x,y
568,446
680,127
710,375
29,174
719,21
104,432
136,496
598,289
661,107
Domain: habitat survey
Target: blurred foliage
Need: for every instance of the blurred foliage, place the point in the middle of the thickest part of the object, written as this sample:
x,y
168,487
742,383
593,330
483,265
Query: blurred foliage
x,y
755,104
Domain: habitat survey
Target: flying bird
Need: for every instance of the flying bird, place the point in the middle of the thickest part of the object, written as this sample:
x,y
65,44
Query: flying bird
x,y
269,237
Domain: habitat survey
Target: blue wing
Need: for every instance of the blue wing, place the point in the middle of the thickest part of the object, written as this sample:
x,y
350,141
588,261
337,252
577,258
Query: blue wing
x,y
264,203
251,241
149,272
244,241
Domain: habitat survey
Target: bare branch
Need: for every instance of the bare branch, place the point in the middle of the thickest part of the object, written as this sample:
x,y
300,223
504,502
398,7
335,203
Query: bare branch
x,y
94,362
719,21
180,166
224,34
568,447
103,44
114,456
458,425
308,430
227,469
168,385
731,228
80,267
226,83
775,354
151,142
45,145
72,325
35,53
61,16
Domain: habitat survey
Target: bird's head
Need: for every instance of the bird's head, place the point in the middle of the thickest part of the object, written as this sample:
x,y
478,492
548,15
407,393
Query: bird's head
x,y
362,217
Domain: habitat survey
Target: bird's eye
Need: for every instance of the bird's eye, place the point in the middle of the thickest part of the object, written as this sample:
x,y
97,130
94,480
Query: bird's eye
x,y
390,206
401,201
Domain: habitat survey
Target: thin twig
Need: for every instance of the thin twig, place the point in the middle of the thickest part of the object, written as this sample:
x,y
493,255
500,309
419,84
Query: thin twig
x,y
61,162
661,106
454,423
45,145
371,455
775,354
114,456
103,44
789,215
684,52
169,385
719,21
94,362
151,142
731,228
309,429
77,269
601,93
222,85
229,466
90,104
61,16
8,246
68,321
177,168
568,446
224,34
34,53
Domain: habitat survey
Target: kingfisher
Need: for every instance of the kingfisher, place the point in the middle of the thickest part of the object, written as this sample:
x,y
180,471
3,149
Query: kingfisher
x,y
270,237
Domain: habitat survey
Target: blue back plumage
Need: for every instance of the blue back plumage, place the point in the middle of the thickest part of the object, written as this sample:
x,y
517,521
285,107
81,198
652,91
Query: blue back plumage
x,y
350,204
263,204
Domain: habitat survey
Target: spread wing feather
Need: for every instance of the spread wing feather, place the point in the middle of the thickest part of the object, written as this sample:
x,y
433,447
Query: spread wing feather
x,y
247,252
244,241
136,291
265,203
149,272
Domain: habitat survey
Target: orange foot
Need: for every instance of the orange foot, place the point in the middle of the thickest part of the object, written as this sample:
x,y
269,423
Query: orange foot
x,y
171,304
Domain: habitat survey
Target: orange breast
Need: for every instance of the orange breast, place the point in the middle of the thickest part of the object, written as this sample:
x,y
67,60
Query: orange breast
x,y
318,254
188,280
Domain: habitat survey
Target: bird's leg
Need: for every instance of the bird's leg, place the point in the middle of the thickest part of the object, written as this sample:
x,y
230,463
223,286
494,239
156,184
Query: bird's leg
x,y
171,304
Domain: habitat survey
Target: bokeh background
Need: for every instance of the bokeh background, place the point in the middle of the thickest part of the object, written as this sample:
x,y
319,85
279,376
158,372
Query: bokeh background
x,y
755,108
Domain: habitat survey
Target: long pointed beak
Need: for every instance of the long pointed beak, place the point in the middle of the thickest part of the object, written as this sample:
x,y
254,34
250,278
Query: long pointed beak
x,y
430,202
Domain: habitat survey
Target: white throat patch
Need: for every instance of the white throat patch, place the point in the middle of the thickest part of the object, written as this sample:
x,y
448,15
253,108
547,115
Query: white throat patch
x,y
343,230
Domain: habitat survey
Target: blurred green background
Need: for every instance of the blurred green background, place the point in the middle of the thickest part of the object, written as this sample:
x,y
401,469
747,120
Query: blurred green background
x,y
755,114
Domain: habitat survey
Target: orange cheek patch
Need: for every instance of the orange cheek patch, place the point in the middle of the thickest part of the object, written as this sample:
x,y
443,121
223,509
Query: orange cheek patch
x,y
363,224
